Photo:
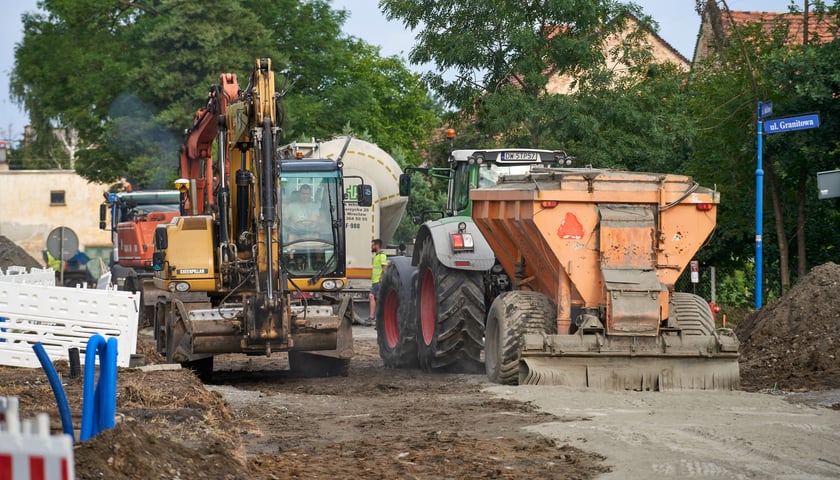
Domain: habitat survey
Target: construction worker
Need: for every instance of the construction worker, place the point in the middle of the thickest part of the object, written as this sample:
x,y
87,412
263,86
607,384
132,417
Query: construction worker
x,y
380,261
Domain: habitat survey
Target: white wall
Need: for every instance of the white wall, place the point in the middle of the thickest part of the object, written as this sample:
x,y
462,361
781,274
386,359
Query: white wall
x,y
26,216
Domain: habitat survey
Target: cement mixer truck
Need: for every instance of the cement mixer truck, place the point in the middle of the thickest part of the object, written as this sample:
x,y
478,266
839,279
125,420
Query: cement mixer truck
x,y
363,224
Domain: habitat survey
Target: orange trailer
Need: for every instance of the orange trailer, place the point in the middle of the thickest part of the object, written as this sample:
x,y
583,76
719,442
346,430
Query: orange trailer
x,y
594,255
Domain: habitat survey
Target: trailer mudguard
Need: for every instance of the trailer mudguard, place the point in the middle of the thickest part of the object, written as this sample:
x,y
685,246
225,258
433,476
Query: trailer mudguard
x,y
481,258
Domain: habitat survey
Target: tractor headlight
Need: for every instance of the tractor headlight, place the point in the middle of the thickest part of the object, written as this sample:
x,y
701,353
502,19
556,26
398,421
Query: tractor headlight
x,y
182,286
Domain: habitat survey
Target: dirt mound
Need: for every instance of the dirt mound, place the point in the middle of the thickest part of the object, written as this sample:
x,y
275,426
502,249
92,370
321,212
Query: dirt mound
x,y
129,452
13,255
793,343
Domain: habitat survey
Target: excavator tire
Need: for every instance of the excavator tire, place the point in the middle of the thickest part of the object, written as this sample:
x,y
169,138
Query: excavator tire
x,y
693,314
178,344
160,326
395,323
450,320
512,315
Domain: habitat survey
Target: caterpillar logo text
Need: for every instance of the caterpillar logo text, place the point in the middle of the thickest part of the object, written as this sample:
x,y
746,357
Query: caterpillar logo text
x,y
192,271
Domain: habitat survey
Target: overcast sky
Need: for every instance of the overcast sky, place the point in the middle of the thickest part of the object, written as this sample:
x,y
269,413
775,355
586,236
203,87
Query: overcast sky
x,y
678,25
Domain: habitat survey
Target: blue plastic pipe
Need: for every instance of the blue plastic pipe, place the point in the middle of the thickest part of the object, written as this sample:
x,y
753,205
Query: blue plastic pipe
x,y
99,405
58,390
89,404
108,396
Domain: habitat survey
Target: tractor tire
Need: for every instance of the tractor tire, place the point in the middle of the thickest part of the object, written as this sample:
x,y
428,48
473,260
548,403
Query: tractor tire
x,y
312,365
450,316
512,315
694,316
395,323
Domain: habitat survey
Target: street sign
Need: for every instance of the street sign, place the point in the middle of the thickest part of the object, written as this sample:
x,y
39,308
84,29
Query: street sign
x,y
695,271
766,109
828,184
789,124
62,243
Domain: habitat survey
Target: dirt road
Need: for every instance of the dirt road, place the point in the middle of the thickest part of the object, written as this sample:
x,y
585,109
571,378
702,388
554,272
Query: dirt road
x,y
680,435
390,423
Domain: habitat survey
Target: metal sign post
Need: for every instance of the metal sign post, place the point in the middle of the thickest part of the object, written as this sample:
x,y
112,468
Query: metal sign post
x,y
759,213
778,125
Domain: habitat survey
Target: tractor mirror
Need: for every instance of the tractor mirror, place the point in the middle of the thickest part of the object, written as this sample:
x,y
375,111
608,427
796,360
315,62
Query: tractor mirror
x,y
103,211
405,184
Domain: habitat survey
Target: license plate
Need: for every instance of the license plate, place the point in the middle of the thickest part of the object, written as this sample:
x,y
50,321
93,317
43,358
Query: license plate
x,y
519,156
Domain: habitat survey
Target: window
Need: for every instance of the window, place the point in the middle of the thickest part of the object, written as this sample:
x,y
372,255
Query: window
x,y
57,197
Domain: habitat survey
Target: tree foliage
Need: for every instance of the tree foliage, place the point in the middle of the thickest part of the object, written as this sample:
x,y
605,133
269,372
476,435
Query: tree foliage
x,y
130,75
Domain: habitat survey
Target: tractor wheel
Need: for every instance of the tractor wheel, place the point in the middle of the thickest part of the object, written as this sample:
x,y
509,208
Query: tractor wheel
x,y
693,314
312,365
450,321
395,316
512,315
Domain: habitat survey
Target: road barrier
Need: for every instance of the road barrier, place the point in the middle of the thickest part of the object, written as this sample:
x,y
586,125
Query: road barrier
x,y
27,451
61,318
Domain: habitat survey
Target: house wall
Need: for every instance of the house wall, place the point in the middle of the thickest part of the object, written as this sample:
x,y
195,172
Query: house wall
x,y
661,51
26,216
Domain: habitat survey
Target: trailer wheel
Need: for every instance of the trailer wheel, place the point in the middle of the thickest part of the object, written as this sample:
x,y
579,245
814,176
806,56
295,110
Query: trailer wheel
x,y
395,330
450,321
512,315
693,314
312,365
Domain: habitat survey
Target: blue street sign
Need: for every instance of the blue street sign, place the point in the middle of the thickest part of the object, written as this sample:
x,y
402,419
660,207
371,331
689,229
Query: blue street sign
x,y
766,109
790,124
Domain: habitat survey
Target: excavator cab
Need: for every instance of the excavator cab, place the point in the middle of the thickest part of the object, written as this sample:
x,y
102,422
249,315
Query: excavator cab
x,y
312,212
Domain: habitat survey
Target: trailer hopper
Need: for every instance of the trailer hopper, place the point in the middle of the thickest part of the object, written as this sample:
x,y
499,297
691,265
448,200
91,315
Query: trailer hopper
x,y
595,254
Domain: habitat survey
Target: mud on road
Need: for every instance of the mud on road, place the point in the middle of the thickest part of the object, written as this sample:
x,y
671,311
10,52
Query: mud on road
x,y
257,421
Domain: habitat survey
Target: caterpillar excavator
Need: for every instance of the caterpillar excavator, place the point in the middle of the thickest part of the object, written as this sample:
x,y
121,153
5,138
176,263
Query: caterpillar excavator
x,y
251,266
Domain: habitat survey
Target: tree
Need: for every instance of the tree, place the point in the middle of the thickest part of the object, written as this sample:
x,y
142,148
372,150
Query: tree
x,y
128,76
500,54
751,65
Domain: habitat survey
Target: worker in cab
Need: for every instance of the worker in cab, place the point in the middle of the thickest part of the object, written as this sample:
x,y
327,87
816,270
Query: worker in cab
x,y
301,215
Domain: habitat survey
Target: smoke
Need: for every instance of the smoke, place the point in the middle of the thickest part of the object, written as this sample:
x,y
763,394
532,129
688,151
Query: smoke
x,y
138,138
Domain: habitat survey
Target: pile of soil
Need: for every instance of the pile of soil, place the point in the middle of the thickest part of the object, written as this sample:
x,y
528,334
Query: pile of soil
x,y
793,343
13,255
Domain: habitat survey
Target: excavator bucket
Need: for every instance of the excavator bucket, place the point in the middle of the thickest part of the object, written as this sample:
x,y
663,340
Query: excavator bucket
x,y
605,247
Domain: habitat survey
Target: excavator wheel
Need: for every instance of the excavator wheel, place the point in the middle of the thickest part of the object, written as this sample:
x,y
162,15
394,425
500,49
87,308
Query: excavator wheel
x,y
512,315
450,321
178,344
693,314
395,324
159,325
312,365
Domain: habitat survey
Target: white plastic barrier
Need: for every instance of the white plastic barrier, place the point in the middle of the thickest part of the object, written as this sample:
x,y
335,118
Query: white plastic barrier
x,y
28,451
36,276
61,318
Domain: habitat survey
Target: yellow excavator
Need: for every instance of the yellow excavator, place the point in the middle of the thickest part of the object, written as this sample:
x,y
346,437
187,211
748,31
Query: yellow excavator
x,y
255,261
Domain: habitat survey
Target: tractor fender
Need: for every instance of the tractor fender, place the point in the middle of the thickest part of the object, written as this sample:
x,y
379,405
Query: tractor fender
x,y
408,272
480,259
